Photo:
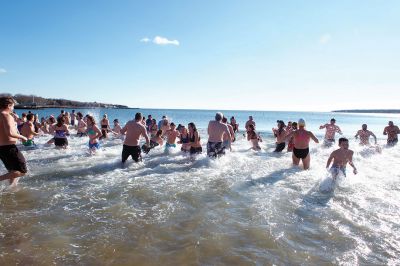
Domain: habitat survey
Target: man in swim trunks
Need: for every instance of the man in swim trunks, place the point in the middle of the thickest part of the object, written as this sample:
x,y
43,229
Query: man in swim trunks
x,y
28,131
216,130
301,141
250,122
391,131
340,158
228,139
134,129
12,158
331,130
280,135
364,135
171,135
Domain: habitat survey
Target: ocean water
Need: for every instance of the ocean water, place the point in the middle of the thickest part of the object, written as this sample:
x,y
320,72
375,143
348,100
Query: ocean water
x,y
246,208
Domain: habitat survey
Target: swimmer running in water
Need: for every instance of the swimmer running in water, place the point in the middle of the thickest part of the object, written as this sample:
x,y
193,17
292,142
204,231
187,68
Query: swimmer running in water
x,y
280,135
94,134
364,135
12,158
227,140
28,131
340,158
105,127
155,141
290,141
391,131
60,134
184,139
134,130
172,134
81,132
331,130
253,137
301,140
194,139
216,130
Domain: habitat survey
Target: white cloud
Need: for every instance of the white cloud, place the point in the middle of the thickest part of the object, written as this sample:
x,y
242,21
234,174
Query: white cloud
x,y
160,41
164,41
325,38
3,71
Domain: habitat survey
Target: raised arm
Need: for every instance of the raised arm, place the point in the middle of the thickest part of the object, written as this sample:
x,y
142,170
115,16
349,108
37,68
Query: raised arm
x,y
323,126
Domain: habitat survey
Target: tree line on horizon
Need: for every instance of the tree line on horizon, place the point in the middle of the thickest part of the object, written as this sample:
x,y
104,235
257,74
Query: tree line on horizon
x,y
31,100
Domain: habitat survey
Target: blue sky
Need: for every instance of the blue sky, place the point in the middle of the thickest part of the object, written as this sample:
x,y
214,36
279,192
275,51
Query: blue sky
x,y
251,55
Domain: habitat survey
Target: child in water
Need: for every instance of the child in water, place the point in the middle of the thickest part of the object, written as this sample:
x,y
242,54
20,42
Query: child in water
x,y
340,158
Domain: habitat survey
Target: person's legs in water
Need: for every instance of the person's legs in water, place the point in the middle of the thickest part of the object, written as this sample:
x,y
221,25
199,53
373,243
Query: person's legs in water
x,y
295,160
306,162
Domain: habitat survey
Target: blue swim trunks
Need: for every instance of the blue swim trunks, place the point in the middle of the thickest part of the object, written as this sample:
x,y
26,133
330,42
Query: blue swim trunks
x,y
335,170
94,145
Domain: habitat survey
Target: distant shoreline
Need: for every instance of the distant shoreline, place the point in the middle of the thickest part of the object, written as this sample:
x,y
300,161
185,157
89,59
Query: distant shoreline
x,y
371,111
19,107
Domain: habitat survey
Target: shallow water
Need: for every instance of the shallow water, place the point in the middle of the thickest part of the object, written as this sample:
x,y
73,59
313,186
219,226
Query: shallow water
x,y
247,208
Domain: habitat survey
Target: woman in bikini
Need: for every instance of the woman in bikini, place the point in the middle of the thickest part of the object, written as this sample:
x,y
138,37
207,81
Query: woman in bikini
x,y
194,139
94,134
105,127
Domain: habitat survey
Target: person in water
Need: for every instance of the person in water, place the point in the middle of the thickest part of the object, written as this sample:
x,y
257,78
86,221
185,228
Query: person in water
x,y
94,133
280,135
216,130
149,122
194,139
301,140
235,127
73,118
28,131
340,158
227,140
250,122
364,135
153,128
155,141
331,130
254,138
105,127
290,141
117,128
21,121
81,131
11,157
391,131
171,135
184,139
134,130
60,134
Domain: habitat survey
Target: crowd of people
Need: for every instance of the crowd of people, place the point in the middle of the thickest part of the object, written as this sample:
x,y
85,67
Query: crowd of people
x,y
221,135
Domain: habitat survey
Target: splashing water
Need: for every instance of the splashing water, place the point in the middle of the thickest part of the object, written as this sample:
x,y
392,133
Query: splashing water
x,y
244,208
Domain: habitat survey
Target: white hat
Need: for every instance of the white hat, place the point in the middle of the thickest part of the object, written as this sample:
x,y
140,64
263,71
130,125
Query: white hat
x,y
301,122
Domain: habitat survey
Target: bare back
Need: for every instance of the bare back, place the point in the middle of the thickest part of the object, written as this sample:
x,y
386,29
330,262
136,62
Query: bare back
x,y
216,131
134,130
